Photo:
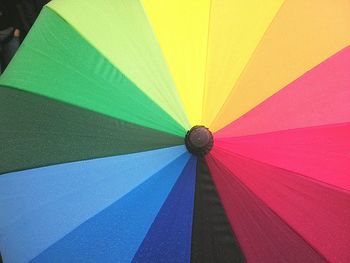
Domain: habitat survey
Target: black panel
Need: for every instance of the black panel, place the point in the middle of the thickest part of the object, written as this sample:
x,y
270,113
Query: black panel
x,y
212,238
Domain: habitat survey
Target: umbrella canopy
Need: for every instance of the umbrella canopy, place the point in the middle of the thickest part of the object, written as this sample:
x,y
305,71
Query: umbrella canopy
x,y
178,131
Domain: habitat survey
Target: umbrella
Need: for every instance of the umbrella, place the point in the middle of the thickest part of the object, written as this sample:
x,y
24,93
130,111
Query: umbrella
x,y
177,131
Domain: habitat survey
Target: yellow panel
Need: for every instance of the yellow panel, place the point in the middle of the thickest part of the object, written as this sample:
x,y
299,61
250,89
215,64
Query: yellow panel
x,y
236,27
181,27
303,34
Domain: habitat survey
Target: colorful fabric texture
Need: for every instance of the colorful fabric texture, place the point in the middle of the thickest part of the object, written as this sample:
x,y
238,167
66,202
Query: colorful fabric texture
x,y
97,103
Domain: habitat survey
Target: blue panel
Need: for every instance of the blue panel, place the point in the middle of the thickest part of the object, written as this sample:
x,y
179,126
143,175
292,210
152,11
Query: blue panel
x,y
40,206
114,234
169,239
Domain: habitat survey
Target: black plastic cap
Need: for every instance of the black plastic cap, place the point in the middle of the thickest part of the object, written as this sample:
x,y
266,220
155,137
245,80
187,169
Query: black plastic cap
x,y
199,140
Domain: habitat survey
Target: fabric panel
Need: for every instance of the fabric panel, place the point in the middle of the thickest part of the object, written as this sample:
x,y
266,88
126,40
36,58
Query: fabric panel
x,y
120,30
42,205
318,213
37,131
114,234
263,235
169,238
57,62
301,36
319,97
212,236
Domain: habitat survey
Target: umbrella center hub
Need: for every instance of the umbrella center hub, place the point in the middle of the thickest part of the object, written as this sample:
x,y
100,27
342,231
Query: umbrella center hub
x,y
199,140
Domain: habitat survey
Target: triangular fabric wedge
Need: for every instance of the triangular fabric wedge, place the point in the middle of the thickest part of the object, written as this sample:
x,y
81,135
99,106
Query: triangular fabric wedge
x,y
301,36
263,235
169,238
182,29
37,131
302,216
212,237
235,29
321,152
65,67
114,234
121,31
319,97
45,204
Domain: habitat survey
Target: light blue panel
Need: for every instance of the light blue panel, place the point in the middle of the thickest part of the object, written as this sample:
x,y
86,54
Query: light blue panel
x,y
114,234
40,206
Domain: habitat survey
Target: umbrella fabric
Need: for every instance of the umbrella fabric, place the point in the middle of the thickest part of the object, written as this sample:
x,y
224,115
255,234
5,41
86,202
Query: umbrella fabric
x,y
98,160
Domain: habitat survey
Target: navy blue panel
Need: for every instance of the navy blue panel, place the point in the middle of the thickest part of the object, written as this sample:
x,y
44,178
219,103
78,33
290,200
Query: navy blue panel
x,y
169,239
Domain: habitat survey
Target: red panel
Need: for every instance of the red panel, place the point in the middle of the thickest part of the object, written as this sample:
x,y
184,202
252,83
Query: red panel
x,y
322,153
286,212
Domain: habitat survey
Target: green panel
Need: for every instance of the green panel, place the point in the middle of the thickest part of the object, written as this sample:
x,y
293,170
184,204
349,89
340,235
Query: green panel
x,y
37,131
57,62
120,30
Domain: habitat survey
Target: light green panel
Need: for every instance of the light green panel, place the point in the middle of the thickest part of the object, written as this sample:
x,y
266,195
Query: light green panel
x,y
120,30
55,61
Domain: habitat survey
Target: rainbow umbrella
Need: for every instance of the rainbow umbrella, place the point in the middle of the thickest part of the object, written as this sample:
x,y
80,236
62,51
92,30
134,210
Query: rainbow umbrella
x,y
176,131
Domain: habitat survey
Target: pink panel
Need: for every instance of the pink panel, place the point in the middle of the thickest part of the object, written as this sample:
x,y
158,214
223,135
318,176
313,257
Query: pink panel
x,y
322,153
317,212
319,97
262,235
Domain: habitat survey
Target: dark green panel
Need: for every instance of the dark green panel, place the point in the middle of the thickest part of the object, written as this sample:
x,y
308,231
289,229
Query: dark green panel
x,y
212,238
37,131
